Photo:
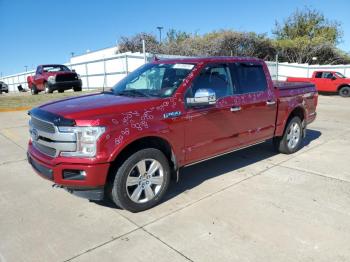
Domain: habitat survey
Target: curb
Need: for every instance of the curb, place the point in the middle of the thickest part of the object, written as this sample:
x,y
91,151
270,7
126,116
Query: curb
x,y
22,108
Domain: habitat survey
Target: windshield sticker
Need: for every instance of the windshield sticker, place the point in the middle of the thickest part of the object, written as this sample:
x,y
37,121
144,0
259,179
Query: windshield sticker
x,y
183,66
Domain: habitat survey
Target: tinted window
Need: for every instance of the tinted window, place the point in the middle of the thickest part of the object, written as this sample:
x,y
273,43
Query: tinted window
x,y
318,75
250,77
328,75
216,77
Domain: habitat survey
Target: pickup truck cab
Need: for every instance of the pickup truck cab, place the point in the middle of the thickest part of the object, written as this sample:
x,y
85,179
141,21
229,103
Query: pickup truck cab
x,y
49,78
327,81
164,116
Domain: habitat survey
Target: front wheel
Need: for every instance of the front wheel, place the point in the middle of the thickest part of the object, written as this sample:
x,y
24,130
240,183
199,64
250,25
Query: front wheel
x,y
77,89
292,137
47,88
141,181
34,90
344,91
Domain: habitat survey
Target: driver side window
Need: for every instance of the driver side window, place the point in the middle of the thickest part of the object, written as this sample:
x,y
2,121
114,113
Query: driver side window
x,y
216,77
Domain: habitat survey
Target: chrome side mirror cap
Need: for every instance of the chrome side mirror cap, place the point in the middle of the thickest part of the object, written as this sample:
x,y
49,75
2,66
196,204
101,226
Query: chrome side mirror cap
x,y
202,97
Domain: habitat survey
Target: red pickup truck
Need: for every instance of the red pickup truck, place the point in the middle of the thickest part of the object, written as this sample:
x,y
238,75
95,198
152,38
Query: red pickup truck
x,y
126,143
49,78
327,81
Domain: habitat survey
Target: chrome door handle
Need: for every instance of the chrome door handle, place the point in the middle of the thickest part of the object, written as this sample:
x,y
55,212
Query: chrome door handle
x,y
270,103
235,108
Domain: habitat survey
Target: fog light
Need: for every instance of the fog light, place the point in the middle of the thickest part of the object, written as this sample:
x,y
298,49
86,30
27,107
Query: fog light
x,y
74,174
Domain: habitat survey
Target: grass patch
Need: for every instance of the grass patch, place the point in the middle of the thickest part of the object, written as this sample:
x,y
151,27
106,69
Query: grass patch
x,y
24,101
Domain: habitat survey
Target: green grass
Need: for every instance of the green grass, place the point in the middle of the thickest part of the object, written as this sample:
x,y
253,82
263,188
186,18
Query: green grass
x,y
18,101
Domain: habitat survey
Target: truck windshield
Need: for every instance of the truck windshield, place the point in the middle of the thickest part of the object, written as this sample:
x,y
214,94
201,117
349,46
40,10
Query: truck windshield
x,y
153,80
340,75
55,68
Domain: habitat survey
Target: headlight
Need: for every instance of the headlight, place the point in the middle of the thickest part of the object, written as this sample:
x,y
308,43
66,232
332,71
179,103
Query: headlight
x,y
87,137
51,79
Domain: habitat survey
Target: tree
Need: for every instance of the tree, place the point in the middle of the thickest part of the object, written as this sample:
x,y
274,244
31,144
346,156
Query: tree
x,y
306,34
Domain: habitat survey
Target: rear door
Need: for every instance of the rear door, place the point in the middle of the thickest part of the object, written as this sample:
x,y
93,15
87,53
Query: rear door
x,y
254,103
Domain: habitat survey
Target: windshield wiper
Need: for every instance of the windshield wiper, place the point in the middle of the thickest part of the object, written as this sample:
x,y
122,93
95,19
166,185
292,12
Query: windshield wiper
x,y
132,92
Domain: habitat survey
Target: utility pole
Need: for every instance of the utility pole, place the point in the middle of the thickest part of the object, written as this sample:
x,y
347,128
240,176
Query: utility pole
x,y
160,33
26,67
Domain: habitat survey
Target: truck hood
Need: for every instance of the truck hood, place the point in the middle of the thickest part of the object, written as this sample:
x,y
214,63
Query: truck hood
x,y
91,106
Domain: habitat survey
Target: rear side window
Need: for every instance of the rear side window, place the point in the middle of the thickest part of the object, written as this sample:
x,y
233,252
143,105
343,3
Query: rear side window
x,y
250,77
318,75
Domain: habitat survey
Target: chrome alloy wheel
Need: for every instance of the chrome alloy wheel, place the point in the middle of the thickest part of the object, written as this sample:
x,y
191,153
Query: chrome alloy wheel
x,y
293,135
145,180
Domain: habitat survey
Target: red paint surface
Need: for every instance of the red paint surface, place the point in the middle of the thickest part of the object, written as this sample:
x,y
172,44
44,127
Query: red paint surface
x,y
323,84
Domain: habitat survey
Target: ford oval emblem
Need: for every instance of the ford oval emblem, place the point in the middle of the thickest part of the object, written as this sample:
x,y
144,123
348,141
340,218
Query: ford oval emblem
x,y
35,135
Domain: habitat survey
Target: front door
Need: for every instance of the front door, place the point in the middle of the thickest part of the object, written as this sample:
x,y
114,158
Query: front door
x,y
210,130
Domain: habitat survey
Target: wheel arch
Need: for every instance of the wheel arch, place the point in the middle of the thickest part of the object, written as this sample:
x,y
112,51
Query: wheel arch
x,y
141,143
341,86
298,111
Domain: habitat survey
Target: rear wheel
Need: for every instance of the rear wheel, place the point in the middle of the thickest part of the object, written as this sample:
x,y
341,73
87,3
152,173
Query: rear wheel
x,y
77,89
344,91
60,90
292,137
141,181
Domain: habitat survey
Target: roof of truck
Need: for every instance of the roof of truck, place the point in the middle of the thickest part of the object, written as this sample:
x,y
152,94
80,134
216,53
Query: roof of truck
x,y
207,59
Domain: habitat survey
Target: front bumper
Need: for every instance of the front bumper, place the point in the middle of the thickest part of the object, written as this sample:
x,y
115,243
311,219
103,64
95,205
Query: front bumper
x,y
91,187
65,85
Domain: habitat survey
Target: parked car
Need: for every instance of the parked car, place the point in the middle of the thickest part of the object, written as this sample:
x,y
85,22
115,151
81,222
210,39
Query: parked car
x,y
3,87
327,81
49,78
164,116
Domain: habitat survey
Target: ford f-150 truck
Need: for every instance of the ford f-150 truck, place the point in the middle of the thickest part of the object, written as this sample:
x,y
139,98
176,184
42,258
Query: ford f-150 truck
x,y
327,81
126,143
49,78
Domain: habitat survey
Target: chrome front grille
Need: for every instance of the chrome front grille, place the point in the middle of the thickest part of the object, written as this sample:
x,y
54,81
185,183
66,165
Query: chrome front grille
x,y
47,138
45,149
42,125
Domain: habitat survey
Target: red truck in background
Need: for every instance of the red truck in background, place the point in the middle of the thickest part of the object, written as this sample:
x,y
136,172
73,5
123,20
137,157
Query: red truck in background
x,y
327,81
49,78
166,115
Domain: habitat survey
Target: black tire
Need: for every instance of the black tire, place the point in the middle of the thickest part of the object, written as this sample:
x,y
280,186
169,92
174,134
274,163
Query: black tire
x,y
47,88
6,91
344,91
293,131
122,194
60,90
34,90
77,89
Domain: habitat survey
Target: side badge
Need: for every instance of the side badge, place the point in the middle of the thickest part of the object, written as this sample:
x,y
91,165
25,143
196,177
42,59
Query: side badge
x,y
172,114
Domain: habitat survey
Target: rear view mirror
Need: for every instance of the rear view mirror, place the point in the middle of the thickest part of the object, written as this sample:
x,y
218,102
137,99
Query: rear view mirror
x,y
202,97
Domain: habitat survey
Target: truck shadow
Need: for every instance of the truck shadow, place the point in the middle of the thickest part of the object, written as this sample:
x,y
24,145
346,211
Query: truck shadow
x,y
193,176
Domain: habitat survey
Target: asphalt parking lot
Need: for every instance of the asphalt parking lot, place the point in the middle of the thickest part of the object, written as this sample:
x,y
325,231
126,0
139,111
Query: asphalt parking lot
x,y
251,205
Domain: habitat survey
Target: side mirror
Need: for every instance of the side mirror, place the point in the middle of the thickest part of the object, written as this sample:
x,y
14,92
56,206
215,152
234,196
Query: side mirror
x,y
333,78
73,70
202,97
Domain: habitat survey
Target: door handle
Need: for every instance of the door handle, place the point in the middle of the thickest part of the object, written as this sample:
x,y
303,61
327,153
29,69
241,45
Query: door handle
x,y
235,108
270,102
